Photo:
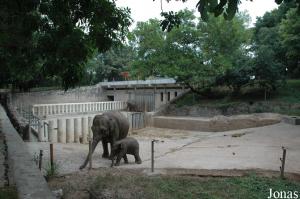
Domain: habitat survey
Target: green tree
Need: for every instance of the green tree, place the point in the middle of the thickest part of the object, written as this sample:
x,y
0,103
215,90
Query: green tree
x,y
53,38
268,72
146,40
108,65
194,53
18,55
290,34
228,8
267,35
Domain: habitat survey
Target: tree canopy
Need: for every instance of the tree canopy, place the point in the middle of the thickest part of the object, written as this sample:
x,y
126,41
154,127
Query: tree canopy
x,y
108,65
289,31
227,8
53,38
195,53
278,32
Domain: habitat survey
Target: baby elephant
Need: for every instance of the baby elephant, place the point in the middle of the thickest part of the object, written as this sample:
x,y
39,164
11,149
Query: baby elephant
x,y
125,146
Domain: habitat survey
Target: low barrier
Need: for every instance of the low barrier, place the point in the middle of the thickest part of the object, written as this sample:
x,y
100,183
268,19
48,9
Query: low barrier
x,y
43,110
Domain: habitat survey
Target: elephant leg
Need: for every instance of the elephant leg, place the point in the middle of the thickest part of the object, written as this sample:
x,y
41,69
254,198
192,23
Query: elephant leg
x,y
94,144
113,156
105,148
112,142
125,159
112,162
137,157
120,156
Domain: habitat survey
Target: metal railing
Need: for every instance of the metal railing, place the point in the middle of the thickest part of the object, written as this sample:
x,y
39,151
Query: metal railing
x,y
71,108
136,120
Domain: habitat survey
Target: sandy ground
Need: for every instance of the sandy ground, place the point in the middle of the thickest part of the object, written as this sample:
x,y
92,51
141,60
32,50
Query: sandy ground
x,y
253,148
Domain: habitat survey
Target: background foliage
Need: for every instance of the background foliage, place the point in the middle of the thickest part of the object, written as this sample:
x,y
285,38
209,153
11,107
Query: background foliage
x,y
53,38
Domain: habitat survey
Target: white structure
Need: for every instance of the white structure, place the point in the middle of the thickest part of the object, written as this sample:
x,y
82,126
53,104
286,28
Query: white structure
x,y
71,122
45,110
148,95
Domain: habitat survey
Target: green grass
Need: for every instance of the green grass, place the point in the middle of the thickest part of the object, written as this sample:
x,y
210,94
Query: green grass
x,y
8,193
285,100
251,187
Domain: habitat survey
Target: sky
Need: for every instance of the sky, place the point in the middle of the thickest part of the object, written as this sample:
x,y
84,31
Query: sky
x,y
142,10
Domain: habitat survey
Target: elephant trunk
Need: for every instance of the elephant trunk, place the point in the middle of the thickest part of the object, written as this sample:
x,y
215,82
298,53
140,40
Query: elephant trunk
x,y
94,144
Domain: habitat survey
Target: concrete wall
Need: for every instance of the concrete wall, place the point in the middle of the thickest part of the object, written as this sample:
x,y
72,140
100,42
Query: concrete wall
x,y
79,126
124,95
215,124
96,94
82,94
28,179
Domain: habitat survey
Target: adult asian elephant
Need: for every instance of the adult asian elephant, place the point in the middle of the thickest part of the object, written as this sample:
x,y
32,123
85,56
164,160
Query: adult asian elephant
x,y
108,128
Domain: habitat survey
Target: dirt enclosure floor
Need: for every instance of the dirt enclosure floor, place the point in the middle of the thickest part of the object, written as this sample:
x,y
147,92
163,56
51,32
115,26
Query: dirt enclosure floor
x,y
252,148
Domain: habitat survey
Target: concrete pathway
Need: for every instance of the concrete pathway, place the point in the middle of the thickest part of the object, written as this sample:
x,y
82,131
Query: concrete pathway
x,y
253,148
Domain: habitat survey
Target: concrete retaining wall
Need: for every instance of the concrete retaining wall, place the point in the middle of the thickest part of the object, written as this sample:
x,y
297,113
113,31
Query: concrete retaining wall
x,y
293,120
73,128
82,94
216,124
28,179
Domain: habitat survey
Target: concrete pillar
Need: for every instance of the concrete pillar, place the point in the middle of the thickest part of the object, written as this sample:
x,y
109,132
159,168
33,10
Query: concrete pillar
x,y
77,129
40,131
61,130
70,130
52,133
84,128
90,123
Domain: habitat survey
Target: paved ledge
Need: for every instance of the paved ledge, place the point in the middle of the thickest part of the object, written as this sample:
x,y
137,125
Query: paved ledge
x,y
29,181
217,123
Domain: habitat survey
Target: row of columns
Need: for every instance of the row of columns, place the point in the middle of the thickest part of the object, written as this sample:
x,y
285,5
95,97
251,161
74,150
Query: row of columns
x,y
50,109
74,130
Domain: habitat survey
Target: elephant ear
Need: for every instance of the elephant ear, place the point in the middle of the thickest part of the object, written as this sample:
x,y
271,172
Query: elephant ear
x,y
114,128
